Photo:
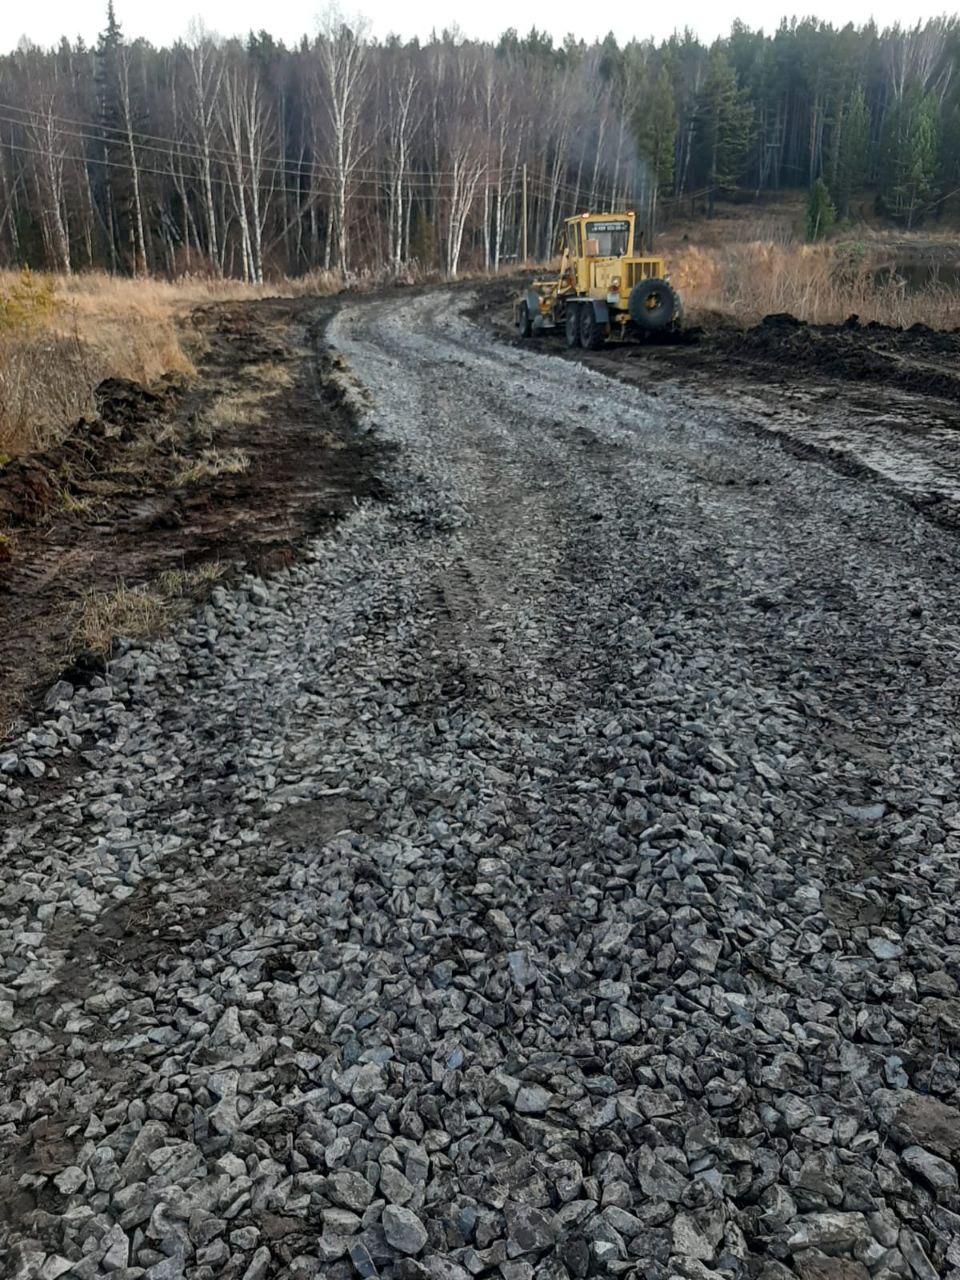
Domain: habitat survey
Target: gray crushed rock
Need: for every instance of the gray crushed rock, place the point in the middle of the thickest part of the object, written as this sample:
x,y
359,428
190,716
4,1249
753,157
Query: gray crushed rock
x,y
554,875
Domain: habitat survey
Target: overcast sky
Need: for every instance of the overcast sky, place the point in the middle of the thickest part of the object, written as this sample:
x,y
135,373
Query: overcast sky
x,y
45,21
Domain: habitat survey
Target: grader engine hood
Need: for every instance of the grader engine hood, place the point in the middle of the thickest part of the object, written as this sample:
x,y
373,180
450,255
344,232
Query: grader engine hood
x,y
606,274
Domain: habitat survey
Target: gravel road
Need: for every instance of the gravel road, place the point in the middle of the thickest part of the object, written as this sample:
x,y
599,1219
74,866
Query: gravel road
x,y
553,875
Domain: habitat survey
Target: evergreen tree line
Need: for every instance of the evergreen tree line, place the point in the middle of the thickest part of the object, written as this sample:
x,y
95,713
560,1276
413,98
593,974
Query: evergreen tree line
x,y
245,158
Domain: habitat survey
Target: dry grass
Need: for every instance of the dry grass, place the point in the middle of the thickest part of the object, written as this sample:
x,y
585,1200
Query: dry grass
x,y
46,382
775,221
243,408
94,328
131,326
271,376
212,463
141,613
135,612
823,284
81,329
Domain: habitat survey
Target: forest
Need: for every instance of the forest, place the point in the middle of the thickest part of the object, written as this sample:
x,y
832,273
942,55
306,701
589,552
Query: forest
x,y
248,159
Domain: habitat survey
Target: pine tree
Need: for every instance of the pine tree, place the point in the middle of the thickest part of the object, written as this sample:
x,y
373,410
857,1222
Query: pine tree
x,y
849,150
949,166
910,156
655,127
724,119
108,44
924,155
655,130
112,35
119,115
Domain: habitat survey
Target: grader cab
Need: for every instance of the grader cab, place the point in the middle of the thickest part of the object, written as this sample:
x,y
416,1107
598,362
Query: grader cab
x,y
606,286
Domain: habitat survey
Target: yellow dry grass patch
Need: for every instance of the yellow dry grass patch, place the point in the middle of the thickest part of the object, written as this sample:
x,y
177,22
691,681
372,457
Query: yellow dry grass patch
x,y
130,326
212,463
142,612
271,375
46,382
243,408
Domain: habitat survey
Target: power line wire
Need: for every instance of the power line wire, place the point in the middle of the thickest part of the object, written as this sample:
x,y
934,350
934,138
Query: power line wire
x,y
221,154
313,191
426,180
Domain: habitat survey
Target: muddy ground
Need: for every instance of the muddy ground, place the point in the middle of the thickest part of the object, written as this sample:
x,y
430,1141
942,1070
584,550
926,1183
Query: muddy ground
x,y
115,501
777,351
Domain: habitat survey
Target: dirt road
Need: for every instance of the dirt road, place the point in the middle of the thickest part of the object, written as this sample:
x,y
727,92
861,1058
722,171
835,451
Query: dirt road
x,y
554,875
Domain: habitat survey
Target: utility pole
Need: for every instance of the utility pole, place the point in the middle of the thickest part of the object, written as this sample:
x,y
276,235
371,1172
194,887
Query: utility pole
x,y
524,211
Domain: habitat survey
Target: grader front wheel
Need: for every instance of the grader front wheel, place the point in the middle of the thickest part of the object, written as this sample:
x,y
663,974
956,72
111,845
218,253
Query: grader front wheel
x,y
571,328
592,335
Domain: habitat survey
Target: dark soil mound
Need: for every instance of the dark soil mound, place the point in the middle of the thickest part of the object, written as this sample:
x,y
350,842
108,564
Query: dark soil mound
x,y
918,359
31,485
124,403
27,489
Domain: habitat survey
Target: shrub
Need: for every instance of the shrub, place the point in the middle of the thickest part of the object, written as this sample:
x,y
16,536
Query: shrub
x,y
821,214
29,302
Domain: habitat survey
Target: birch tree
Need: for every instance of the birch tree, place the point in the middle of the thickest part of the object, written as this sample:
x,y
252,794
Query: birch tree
x,y
125,102
50,150
247,126
352,154
343,86
206,78
403,118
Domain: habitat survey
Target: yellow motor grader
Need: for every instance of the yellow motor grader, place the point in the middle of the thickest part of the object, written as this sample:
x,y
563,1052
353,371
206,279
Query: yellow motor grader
x,y
606,286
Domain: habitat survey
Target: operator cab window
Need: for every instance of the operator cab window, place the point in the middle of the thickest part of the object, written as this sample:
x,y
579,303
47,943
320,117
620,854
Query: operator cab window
x,y
611,238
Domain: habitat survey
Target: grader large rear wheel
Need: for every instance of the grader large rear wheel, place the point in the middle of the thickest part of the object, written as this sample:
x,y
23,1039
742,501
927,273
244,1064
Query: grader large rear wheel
x,y
653,305
523,320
